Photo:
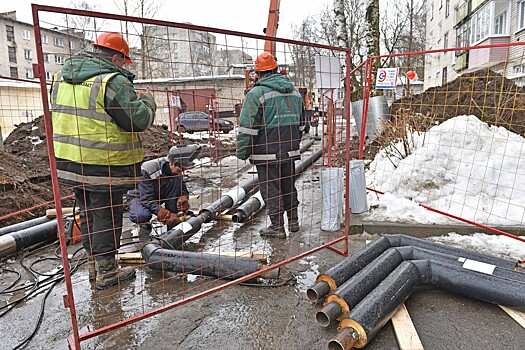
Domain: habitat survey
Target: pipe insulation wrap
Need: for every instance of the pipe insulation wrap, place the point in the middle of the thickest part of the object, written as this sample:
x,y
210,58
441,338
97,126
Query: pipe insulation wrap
x,y
44,232
25,224
236,194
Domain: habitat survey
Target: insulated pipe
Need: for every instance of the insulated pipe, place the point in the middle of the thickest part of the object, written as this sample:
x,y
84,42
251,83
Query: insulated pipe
x,y
246,210
349,294
337,275
329,281
344,298
15,241
25,224
371,314
212,265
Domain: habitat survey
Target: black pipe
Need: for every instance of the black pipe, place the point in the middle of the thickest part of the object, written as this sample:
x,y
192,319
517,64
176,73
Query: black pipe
x,y
15,241
213,265
329,281
25,224
350,293
340,273
371,314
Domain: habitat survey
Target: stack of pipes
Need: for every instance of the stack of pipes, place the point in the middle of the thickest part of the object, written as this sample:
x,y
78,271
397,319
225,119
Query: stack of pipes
x,y
364,290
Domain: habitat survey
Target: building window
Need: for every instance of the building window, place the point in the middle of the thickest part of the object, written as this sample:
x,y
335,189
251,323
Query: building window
x,y
59,59
480,25
432,11
12,54
521,15
28,54
26,34
445,41
29,74
500,24
447,8
10,33
72,45
14,72
58,42
45,39
48,76
46,57
444,76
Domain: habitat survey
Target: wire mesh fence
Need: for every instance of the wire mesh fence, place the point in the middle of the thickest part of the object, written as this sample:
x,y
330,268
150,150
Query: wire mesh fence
x,y
107,152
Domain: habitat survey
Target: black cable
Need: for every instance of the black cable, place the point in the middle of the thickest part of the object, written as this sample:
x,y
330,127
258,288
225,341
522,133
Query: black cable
x,y
6,290
273,285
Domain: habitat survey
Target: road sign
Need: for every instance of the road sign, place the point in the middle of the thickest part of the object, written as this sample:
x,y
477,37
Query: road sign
x,y
387,78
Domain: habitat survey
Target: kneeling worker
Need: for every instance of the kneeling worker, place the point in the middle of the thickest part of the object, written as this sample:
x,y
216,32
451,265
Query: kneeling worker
x,y
162,183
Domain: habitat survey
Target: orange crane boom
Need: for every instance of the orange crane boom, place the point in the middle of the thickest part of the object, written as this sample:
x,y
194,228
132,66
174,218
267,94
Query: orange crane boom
x,y
271,27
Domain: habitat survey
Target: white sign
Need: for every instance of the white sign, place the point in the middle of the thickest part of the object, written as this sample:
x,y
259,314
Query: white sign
x,y
175,101
386,78
327,72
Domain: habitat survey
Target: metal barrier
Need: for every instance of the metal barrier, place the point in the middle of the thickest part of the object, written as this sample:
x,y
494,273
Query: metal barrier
x,y
189,68
451,141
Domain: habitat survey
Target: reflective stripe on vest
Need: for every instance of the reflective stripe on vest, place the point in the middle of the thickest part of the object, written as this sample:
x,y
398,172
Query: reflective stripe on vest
x,y
82,130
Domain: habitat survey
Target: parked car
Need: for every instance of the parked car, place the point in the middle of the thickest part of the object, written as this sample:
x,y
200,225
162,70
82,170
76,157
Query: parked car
x,y
199,121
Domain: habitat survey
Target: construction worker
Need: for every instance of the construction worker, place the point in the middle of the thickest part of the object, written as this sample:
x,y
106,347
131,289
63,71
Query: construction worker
x,y
162,183
96,117
269,134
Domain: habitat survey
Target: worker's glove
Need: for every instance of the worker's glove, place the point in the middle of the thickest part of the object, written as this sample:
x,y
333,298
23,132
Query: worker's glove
x,y
183,204
168,218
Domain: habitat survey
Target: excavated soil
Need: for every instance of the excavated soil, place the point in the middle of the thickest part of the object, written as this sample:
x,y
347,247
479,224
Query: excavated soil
x,y
25,180
491,97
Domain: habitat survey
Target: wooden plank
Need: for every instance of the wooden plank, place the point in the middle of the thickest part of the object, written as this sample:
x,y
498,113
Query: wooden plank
x,y
406,333
516,315
52,213
130,258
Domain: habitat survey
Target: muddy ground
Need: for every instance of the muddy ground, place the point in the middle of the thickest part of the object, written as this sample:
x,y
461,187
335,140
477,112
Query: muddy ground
x,y
275,315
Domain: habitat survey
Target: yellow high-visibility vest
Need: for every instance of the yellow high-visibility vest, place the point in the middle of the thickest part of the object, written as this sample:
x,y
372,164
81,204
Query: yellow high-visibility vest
x,y
82,130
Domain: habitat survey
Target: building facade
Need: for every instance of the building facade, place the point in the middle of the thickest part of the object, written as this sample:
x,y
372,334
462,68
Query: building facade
x,y
464,23
18,53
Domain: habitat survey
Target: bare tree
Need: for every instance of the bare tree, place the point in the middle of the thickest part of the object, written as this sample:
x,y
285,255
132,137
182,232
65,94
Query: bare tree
x,y
84,26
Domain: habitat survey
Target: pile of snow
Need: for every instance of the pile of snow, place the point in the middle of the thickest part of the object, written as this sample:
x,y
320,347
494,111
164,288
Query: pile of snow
x,y
463,167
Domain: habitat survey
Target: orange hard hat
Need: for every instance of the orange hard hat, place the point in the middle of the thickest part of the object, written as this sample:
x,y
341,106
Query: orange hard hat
x,y
264,62
116,42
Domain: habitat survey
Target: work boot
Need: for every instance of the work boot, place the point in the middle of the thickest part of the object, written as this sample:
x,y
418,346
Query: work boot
x,y
109,274
91,269
275,230
293,220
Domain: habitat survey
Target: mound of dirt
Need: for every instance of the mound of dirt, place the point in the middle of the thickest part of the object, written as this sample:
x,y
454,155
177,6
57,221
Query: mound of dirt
x,y
486,94
25,179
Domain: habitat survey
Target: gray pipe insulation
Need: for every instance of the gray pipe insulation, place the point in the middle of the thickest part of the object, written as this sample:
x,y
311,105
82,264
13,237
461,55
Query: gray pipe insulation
x,y
164,256
15,241
329,281
350,293
370,314
24,224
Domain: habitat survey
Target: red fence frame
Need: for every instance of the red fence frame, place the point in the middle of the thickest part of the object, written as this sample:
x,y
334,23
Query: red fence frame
x,y
69,302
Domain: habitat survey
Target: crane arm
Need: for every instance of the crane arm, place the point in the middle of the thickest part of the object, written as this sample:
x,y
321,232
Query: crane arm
x,y
271,27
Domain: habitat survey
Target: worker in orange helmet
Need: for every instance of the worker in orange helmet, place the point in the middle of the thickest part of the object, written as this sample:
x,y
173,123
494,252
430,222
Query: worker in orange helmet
x,y
97,116
269,134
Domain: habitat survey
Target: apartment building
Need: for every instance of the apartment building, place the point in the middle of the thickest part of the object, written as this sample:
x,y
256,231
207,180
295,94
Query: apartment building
x,y
463,23
174,52
18,53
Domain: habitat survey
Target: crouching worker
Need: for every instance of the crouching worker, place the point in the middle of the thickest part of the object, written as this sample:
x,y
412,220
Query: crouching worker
x,y
162,183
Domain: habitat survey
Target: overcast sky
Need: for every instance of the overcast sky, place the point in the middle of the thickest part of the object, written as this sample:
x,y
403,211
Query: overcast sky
x,y
240,15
